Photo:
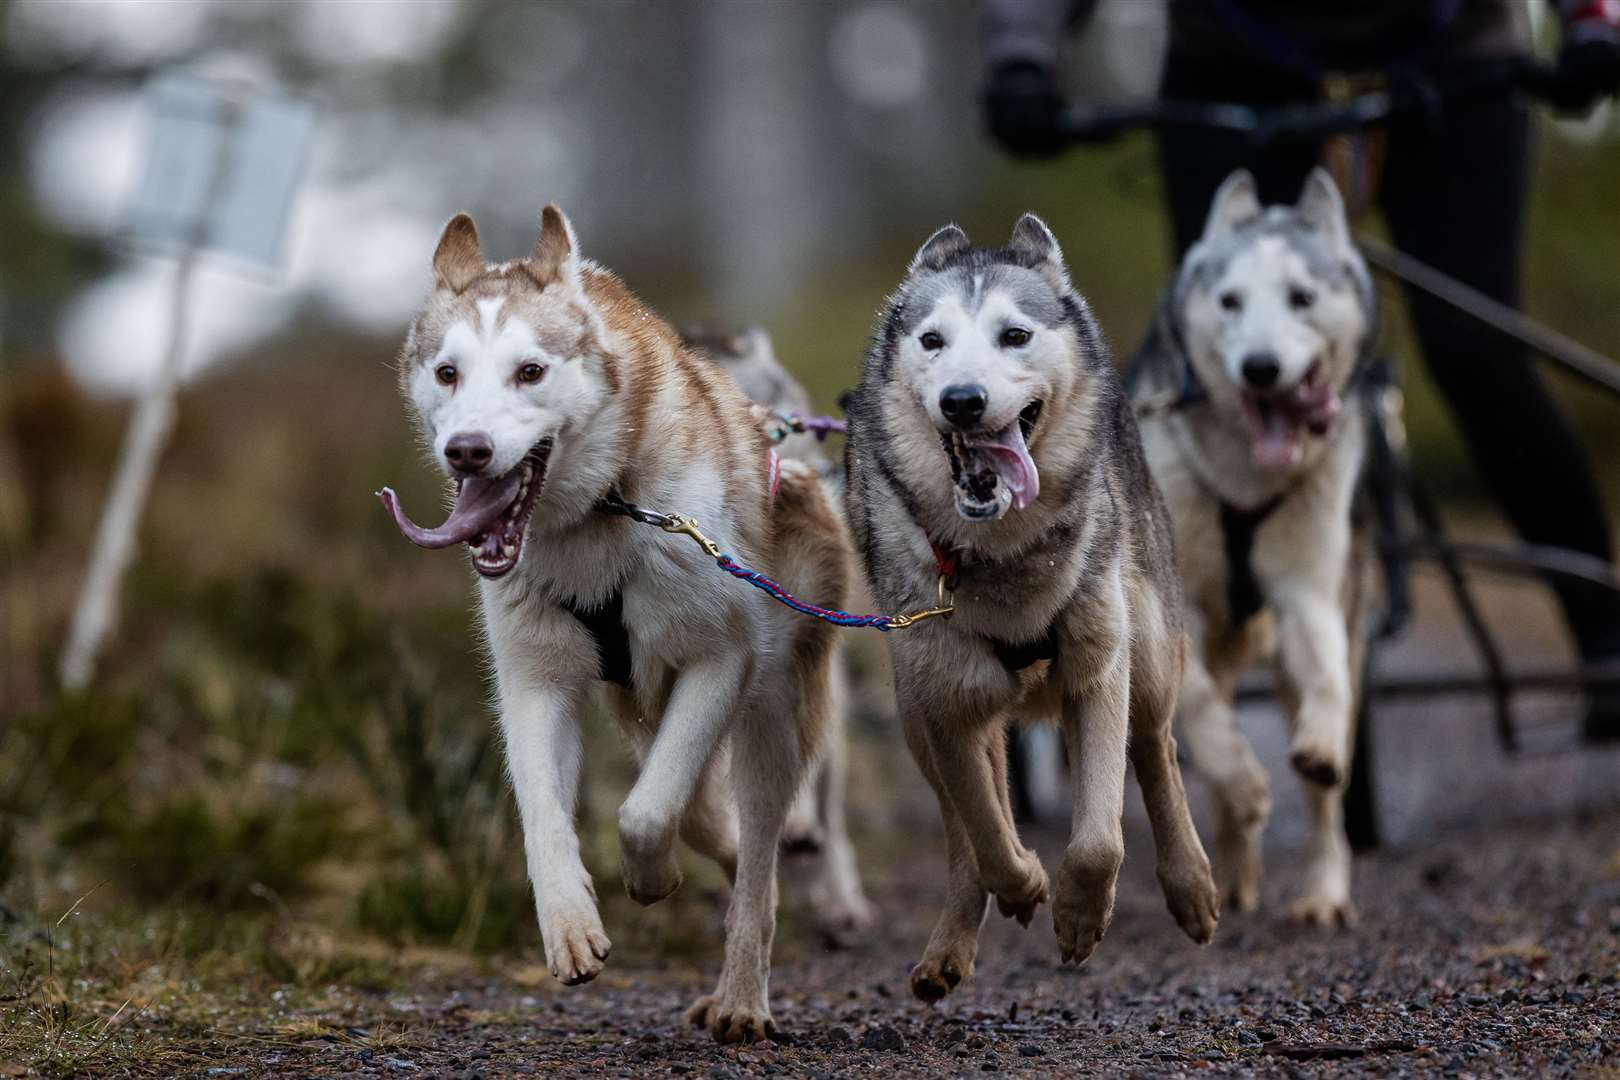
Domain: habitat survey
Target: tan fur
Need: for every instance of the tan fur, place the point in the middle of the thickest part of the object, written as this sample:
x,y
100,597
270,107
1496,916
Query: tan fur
x,y
714,662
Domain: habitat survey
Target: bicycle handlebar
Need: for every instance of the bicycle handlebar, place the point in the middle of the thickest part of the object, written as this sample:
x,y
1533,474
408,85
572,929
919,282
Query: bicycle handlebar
x,y
1413,95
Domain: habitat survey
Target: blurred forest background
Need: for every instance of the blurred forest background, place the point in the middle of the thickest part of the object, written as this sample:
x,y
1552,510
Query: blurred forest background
x,y
286,771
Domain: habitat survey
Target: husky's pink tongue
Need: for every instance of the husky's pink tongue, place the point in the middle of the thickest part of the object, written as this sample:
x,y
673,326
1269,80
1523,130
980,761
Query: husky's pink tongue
x,y
479,504
1009,457
1273,438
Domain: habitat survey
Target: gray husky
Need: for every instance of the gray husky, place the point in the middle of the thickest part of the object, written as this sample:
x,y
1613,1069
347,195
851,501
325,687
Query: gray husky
x,y
992,454
1254,434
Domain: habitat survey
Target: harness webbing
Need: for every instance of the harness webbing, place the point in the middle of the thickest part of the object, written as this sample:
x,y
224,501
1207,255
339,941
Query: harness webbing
x,y
1244,594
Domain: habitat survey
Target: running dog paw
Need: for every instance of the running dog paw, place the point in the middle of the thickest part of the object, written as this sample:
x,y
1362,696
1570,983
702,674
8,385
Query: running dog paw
x,y
941,970
1084,904
1324,912
732,1022
802,836
576,945
1021,891
1317,761
1190,893
839,917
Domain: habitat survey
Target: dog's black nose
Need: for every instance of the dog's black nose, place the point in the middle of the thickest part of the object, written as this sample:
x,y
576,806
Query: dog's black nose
x,y
469,451
1261,369
963,404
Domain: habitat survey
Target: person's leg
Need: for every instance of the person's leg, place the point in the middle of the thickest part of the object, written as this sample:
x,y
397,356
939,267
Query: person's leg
x,y
1454,198
1193,162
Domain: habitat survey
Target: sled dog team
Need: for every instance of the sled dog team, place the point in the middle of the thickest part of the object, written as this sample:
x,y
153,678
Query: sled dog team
x,y
1107,574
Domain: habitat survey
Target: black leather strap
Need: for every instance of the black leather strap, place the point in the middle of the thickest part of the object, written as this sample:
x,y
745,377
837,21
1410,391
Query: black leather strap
x,y
605,624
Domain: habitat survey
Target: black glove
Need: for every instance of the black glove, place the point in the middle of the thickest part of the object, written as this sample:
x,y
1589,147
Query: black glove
x,y
1023,109
1588,66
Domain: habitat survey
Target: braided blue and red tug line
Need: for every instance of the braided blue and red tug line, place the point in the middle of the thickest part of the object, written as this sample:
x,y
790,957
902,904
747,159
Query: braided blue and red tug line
x,y
780,595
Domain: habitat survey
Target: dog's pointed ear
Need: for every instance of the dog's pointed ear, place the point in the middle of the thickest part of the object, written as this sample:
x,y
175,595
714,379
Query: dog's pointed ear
x,y
944,244
457,261
1031,237
556,251
1321,206
1236,201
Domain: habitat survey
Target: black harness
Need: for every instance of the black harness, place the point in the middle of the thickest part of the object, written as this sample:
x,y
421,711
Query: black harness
x,y
606,626
1244,594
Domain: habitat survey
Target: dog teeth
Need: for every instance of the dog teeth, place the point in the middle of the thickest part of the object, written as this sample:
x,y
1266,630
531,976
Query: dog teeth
x,y
509,550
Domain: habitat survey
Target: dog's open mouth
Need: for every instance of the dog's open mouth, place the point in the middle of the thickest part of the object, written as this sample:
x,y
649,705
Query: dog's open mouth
x,y
992,469
491,514
1278,419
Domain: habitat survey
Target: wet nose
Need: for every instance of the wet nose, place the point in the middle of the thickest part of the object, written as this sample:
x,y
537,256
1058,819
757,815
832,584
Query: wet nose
x,y
1260,370
469,451
963,404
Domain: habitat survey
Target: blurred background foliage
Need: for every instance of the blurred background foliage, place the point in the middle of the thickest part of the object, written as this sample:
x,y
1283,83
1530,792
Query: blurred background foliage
x,y
291,727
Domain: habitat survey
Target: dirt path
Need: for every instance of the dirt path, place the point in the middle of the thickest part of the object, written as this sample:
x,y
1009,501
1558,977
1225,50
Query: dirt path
x,y
1484,955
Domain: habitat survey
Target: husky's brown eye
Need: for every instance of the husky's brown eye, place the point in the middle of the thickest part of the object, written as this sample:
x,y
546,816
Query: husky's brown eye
x,y
1014,336
1300,298
446,374
932,341
531,373
1231,301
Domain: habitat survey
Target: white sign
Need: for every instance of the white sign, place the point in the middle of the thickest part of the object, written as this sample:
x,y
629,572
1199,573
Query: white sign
x,y
222,168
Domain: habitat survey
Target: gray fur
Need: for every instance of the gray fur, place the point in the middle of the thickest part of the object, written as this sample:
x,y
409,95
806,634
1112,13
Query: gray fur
x,y
1089,565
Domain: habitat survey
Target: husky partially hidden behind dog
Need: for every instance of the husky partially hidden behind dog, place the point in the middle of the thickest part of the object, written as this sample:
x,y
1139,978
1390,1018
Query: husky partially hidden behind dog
x,y
549,394
992,453
817,824
1255,434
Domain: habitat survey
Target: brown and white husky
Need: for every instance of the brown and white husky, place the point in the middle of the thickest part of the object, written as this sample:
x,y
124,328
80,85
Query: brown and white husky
x,y
541,386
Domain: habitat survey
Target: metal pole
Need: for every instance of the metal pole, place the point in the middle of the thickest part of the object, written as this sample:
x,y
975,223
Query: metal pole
x,y
1570,354
149,430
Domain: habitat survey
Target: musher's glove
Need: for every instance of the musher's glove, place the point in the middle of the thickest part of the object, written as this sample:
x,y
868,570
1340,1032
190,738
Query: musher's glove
x,y
1023,109
1589,62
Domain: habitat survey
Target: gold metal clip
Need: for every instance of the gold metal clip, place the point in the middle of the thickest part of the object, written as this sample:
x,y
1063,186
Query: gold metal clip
x,y
944,609
689,527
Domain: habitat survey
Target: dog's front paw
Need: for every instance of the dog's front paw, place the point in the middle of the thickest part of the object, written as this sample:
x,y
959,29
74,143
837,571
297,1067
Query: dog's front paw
x,y
943,967
1084,905
1319,761
1190,893
576,945
841,916
732,1021
1324,911
1022,889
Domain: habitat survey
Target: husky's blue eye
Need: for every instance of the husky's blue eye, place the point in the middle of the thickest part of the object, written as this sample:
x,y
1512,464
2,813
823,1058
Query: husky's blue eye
x,y
1231,301
932,341
446,374
1014,337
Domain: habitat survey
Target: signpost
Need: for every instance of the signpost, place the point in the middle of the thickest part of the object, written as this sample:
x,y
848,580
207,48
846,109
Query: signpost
x,y
222,168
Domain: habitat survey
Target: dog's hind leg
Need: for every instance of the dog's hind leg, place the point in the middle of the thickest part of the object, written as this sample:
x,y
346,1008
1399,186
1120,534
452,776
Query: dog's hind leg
x,y
841,905
767,763
1183,868
1222,755
954,944
709,825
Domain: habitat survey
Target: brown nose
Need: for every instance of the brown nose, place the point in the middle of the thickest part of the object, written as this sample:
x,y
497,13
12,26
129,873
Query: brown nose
x,y
469,451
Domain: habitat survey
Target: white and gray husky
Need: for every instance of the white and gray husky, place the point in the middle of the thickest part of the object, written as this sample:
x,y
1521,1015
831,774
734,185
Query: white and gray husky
x,y
1256,432
991,441
543,388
